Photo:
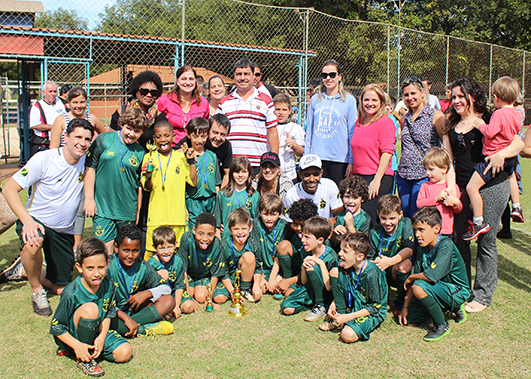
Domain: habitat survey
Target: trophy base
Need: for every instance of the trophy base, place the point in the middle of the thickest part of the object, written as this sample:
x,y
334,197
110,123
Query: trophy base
x,y
209,308
237,311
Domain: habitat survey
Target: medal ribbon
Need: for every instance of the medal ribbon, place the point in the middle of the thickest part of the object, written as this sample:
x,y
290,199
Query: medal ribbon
x,y
351,293
274,238
237,198
434,249
122,155
163,174
380,250
199,168
130,288
233,255
199,261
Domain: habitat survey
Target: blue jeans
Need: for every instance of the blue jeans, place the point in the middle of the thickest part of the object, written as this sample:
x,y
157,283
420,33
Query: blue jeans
x,y
408,190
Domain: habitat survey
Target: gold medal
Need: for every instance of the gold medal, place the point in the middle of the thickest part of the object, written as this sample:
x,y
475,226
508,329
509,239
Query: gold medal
x,y
206,185
163,189
122,169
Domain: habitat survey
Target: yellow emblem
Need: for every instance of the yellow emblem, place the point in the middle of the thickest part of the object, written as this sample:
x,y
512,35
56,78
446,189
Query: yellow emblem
x,y
111,153
177,170
134,288
222,264
105,305
172,277
99,231
322,204
24,171
133,161
211,167
433,265
248,204
80,177
229,204
55,322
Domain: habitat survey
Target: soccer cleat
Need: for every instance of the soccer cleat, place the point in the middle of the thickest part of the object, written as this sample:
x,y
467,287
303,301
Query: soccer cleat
x,y
329,325
13,271
62,353
158,328
460,314
41,306
437,332
475,230
248,295
517,215
91,368
317,313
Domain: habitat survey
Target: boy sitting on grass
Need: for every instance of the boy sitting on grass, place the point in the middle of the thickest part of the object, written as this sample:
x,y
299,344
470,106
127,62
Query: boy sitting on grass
x,y
170,267
81,322
314,288
438,282
360,291
143,298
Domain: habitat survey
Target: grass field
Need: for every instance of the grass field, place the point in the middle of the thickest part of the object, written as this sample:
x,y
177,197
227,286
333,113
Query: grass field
x,y
492,344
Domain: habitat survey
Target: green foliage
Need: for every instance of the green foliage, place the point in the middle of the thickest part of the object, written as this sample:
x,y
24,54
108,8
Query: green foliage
x,y
61,19
9,69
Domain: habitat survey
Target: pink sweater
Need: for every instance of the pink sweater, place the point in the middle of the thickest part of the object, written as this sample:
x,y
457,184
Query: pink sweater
x,y
175,115
427,194
370,142
500,132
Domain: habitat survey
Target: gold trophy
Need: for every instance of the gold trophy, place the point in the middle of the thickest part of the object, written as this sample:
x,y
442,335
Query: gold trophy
x,y
151,147
237,309
209,306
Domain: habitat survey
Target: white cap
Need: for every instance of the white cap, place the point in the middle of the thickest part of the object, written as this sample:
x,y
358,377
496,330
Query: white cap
x,y
310,160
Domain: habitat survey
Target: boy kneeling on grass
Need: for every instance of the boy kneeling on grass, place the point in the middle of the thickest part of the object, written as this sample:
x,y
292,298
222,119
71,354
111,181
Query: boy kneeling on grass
x,y
81,322
438,281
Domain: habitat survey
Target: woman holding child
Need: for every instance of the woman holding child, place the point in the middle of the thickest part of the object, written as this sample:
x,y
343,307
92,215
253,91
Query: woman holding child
x,y
373,145
467,112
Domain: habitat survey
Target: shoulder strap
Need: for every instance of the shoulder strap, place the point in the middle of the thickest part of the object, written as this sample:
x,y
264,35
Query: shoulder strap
x,y
43,116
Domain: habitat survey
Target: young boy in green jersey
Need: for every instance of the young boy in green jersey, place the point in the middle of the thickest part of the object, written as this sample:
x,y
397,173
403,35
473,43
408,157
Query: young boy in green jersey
x,y
112,191
143,298
238,252
314,288
268,230
353,192
166,183
290,252
360,291
202,198
200,251
438,282
80,325
392,245
170,267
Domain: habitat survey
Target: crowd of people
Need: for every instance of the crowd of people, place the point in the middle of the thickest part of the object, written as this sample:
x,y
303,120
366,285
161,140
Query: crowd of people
x,y
185,190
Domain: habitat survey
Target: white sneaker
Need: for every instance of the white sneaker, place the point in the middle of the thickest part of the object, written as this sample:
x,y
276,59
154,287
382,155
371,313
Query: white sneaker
x,y
41,306
248,295
317,313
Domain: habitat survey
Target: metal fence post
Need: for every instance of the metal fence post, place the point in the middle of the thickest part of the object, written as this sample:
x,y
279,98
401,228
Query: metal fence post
x,y
388,60
447,57
490,73
523,75
182,32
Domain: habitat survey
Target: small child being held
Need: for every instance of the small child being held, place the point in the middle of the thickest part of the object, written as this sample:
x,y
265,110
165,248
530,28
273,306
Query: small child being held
x,y
202,198
238,193
290,136
81,322
435,193
170,267
353,191
438,282
504,124
360,291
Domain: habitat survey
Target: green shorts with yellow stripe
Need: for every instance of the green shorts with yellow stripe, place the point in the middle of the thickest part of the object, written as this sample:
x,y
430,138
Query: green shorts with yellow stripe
x,y
105,229
364,326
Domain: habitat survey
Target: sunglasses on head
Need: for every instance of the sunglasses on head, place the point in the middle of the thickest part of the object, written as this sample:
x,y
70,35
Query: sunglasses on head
x,y
332,75
410,80
145,91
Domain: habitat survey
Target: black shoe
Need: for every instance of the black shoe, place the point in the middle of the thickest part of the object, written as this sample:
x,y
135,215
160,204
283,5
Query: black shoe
x,y
504,235
460,314
437,332
12,272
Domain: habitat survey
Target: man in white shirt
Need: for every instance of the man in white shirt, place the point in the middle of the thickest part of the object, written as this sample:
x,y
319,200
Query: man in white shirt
x,y
47,221
432,99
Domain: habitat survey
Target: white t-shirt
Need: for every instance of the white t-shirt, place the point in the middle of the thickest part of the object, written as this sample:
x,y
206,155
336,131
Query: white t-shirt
x,y
286,155
434,102
51,111
326,197
56,188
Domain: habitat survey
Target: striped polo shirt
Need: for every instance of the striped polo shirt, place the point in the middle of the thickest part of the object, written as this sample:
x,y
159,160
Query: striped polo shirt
x,y
249,122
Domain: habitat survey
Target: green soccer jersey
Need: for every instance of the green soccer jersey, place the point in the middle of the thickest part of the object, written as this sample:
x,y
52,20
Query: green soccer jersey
x,y
390,245
200,263
117,167
208,177
75,295
365,291
139,277
268,241
443,264
226,204
362,221
231,255
175,268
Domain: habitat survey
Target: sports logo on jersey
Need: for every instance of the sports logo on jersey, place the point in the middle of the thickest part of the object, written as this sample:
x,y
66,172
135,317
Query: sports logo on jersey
x,y
111,153
322,203
172,277
134,287
208,262
105,305
55,322
80,177
177,170
24,172
211,167
433,265
99,231
222,264
248,204
229,204
133,161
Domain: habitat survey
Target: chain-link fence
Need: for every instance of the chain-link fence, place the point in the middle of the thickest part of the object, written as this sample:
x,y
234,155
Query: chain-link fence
x,y
291,44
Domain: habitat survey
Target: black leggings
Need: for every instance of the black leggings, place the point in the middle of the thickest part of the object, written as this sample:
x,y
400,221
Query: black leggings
x,y
334,170
371,206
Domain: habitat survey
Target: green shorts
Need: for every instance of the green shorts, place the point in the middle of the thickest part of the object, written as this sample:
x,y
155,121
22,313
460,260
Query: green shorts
x,y
198,282
449,297
105,228
185,297
300,299
58,252
222,290
112,342
364,326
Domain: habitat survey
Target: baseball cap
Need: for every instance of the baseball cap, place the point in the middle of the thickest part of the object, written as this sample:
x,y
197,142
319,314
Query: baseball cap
x,y
270,157
310,160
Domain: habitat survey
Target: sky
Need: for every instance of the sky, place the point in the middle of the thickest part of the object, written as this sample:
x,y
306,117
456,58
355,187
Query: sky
x,y
87,9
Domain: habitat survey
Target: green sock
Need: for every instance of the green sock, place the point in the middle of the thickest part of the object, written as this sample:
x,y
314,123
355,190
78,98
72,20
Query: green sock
x,y
147,315
284,261
317,285
245,285
341,305
400,280
88,330
434,309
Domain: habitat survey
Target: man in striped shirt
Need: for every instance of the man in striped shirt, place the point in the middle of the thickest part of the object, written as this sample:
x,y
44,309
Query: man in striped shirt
x,y
251,114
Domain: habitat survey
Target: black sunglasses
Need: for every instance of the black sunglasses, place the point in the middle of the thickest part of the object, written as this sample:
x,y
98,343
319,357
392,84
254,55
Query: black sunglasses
x,y
410,80
332,75
461,141
145,91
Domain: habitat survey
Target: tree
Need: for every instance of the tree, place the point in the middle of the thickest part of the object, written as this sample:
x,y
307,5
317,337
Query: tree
x,y
61,19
